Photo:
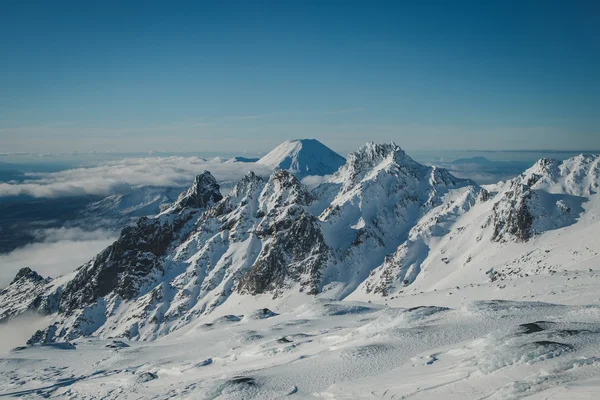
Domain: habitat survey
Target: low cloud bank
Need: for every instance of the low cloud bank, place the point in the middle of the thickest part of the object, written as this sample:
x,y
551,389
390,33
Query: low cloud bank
x,y
484,171
120,176
60,251
314,180
18,330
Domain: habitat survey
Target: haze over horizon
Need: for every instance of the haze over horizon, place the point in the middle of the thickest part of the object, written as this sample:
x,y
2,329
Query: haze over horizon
x,y
212,77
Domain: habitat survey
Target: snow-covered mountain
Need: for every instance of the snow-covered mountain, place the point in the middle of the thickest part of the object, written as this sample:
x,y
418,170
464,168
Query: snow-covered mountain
x,y
382,229
303,157
372,229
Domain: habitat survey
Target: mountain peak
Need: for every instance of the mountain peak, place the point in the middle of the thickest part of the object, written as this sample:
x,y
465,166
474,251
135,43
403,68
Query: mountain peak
x,y
28,274
203,192
303,157
579,175
248,183
373,153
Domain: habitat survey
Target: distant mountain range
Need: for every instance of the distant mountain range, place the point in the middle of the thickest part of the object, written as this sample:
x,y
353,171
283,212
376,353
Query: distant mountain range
x,y
380,226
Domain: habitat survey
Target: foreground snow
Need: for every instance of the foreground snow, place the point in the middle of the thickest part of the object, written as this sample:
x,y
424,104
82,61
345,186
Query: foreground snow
x,y
432,345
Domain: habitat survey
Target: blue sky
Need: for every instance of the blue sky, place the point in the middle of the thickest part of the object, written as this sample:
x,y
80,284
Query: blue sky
x,y
244,76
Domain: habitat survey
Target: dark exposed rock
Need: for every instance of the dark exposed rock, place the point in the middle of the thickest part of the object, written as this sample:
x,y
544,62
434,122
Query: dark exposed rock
x,y
146,377
242,380
531,327
43,336
484,195
29,274
262,313
117,344
120,267
227,318
553,345
511,216
295,252
26,293
523,212
203,193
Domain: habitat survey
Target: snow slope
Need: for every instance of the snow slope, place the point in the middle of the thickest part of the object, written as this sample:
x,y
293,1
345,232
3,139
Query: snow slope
x,y
303,157
497,349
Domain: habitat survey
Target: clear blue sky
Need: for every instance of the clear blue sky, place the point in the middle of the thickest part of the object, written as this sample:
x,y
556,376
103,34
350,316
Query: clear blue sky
x,y
243,76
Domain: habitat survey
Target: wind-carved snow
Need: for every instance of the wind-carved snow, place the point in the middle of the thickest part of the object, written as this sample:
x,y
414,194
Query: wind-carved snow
x,y
330,349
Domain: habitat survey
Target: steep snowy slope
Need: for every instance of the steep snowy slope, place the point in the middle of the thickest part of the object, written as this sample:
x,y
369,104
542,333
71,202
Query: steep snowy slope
x,y
540,222
372,203
164,272
303,157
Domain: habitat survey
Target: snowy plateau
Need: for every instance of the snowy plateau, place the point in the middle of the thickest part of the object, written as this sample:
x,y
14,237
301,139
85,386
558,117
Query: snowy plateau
x,y
387,280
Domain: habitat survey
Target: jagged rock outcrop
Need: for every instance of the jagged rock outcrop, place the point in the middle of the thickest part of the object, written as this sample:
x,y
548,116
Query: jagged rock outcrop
x,y
163,271
25,293
203,193
545,197
511,216
134,261
122,267
27,274
295,252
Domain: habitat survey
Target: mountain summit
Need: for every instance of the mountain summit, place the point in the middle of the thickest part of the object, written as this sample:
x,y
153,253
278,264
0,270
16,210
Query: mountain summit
x,y
303,157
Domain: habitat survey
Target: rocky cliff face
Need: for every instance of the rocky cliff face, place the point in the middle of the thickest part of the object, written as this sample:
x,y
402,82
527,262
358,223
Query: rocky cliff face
x,y
203,193
25,293
547,196
368,228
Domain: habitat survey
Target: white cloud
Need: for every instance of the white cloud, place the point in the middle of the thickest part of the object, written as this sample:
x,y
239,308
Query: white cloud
x,y
312,181
20,329
61,251
121,176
